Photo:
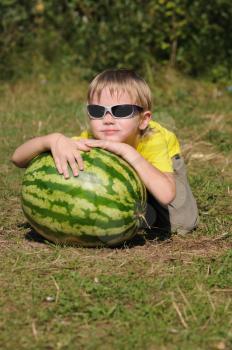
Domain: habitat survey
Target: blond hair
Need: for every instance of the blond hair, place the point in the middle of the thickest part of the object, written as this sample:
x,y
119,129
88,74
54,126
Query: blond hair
x,y
120,81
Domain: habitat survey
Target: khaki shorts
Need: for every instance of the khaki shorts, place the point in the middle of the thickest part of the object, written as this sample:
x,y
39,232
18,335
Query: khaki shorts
x,y
181,215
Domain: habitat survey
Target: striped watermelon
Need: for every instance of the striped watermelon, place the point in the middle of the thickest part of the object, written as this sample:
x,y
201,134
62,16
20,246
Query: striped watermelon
x,y
102,206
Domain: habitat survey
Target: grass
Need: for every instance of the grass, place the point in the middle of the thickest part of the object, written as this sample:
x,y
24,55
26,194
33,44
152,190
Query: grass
x,y
152,294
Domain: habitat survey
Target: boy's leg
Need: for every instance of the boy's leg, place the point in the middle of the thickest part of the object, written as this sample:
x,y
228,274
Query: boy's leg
x,y
183,210
181,215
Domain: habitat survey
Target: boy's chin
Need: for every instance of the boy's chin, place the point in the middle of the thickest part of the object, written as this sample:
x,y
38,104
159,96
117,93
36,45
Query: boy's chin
x,y
113,138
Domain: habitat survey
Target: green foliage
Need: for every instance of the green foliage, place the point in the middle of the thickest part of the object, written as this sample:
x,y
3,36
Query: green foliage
x,y
195,36
222,139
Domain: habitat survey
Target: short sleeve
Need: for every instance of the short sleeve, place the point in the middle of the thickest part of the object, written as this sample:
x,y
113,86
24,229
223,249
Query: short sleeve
x,y
155,150
83,135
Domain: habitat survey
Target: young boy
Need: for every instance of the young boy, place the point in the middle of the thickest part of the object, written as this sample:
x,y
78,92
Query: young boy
x,y
119,111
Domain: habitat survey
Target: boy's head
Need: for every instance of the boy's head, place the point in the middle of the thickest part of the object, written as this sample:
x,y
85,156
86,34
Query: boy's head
x,y
119,81
127,91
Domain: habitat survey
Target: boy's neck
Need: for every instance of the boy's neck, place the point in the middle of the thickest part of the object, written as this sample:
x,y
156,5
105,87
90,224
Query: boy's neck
x,y
135,141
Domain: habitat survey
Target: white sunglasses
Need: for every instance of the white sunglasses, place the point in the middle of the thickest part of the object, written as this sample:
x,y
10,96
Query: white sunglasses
x,y
117,111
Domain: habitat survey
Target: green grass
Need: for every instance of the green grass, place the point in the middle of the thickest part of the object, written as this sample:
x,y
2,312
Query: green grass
x,y
152,294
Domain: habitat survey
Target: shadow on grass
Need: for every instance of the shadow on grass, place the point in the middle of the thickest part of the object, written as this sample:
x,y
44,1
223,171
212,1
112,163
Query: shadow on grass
x,y
157,235
140,239
32,235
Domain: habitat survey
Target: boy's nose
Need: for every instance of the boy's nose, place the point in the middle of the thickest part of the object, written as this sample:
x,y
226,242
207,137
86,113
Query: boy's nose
x,y
108,118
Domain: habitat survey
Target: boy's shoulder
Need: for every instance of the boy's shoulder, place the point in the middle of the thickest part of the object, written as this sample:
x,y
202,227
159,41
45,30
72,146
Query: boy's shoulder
x,y
158,139
157,133
155,126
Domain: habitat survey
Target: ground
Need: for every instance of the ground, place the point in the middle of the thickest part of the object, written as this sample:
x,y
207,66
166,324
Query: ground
x,y
153,293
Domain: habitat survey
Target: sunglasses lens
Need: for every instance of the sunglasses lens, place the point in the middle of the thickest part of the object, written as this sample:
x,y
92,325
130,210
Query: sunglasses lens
x,y
96,111
122,111
118,111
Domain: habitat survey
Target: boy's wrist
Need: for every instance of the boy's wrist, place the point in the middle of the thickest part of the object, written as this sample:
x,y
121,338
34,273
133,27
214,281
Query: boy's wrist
x,y
50,140
131,155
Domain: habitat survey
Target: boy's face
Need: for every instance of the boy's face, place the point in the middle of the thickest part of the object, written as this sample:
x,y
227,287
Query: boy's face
x,y
119,130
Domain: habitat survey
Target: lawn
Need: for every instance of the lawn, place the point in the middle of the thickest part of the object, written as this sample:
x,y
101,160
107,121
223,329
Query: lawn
x,y
154,293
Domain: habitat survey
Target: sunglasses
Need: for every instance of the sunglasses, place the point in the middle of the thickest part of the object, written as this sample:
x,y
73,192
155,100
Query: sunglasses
x,y
117,111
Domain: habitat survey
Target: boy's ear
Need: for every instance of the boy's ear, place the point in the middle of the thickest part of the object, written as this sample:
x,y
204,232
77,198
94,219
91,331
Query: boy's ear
x,y
145,120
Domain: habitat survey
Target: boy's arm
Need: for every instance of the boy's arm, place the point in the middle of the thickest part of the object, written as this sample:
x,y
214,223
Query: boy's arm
x,y
160,185
64,151
30,149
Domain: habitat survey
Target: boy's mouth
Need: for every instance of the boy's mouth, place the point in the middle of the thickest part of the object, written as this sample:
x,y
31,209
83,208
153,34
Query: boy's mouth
x,y
109,131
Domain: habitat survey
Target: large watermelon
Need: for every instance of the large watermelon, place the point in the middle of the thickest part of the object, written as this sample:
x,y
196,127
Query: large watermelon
x,y
102,206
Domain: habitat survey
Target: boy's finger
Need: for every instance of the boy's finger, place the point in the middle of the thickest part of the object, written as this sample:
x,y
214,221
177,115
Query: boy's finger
x,y
92,143
84,148
79,161
97,143
58,165
64,167
73,166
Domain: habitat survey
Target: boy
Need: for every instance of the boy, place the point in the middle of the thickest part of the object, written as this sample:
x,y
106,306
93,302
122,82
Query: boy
x,y
119,111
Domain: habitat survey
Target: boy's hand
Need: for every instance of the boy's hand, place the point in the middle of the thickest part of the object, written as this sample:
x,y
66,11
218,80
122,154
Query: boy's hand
x,y
67,151
121,149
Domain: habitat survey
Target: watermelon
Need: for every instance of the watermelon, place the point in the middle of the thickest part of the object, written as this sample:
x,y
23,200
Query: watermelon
x,y
104,205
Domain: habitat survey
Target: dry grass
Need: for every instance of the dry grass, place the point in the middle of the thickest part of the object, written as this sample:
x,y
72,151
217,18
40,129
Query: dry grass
x,y
55,297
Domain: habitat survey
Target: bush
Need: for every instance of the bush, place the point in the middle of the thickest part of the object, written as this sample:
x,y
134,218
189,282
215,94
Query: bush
x,y
194,36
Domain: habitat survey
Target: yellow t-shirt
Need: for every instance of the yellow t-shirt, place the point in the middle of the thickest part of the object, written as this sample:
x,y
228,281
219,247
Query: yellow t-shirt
x,y
158,147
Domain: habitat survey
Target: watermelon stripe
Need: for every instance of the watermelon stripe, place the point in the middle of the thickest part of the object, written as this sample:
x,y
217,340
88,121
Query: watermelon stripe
x,y
87,240
51,181
82,183
59,217
118,160
49,170
63,230
102,164
76,192
46,165
60,206
98,162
